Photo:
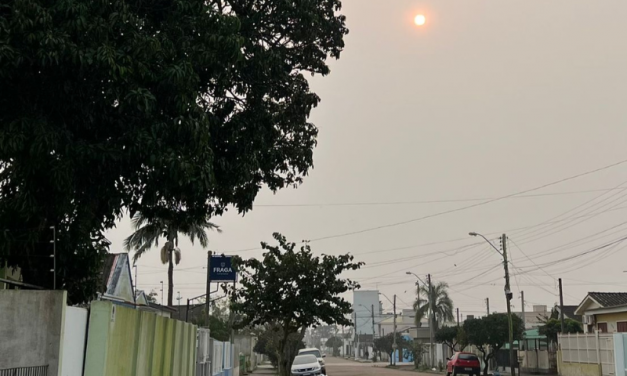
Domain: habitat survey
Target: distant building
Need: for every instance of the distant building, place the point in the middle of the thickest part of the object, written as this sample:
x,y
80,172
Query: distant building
x,y
363,303
534,318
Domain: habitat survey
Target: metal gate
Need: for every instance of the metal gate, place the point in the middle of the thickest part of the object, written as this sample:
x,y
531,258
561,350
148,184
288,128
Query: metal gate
x,y
25,371
203,357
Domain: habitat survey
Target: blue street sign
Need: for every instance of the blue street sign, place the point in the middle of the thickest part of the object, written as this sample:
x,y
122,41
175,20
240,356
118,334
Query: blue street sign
x,y
222,269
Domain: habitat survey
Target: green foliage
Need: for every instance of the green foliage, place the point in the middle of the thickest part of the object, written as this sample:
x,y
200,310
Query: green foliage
x,y
151,297
386,343
148,231
170,108
335,343
553,326
448,335
294,290
418,350
491,332
268,343
442,303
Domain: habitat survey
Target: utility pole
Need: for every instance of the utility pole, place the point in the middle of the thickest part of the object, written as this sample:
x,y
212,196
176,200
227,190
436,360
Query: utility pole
x,y
561,306
394,345
135,267
432,320
457,316
487,305
522,303
54,257
343,352
372,312
356,339
508,297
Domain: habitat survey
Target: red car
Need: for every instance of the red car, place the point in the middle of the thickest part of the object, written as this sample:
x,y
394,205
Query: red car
x,y
465,363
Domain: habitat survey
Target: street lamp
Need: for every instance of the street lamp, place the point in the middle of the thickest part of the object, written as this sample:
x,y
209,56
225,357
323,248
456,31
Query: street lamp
x,y
508,296
431,314
394,345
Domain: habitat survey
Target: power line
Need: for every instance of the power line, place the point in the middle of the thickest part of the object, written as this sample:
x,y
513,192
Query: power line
x,y
389,203
413,220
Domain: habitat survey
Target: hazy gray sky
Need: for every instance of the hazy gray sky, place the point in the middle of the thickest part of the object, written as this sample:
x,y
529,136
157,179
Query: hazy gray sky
x,y
488,98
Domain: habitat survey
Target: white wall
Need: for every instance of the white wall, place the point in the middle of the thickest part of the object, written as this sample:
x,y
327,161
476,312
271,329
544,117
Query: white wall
x,y
74,336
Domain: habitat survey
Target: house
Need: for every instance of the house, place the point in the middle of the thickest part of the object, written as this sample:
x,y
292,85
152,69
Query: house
x,y
569,312
9,275
605,312
116,283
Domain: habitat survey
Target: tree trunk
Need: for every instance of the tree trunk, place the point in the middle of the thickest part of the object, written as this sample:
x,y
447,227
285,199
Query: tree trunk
x,y
486,362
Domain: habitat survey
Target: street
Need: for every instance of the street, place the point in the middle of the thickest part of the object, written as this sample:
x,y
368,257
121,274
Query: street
x,y
345,367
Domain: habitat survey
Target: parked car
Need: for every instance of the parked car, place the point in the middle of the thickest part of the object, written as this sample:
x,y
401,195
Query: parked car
x,y
463,363
317,353
306,365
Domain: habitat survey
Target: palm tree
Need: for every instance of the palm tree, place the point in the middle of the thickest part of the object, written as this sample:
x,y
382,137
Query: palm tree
x,y
147,234
442,303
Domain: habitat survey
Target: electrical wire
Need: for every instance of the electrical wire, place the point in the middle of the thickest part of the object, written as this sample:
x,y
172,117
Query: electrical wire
x,y
438,214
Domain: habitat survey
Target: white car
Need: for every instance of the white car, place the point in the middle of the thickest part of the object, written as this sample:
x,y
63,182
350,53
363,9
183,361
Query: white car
x,y
317,353
306,365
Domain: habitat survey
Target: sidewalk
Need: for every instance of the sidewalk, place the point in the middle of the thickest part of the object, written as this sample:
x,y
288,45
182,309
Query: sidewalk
x,y
264,369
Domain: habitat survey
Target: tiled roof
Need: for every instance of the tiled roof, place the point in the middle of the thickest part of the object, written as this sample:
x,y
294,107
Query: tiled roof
x,y
609,299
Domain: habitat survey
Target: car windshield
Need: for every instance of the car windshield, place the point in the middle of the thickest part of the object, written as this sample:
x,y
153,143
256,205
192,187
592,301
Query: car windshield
x,y
305,359
315,353
468,357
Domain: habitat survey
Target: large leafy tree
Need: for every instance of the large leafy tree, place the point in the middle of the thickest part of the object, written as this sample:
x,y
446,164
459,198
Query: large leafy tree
x,y
293,290
149,231
155,106
490,333
442,303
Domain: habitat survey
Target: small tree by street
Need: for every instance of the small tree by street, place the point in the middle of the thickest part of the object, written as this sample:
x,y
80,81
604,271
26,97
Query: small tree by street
x,y
386,344
293,289
448,335
490,333
418,349
553,327
268,343
335,343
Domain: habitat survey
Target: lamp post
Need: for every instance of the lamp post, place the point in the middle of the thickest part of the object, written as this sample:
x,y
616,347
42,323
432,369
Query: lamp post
x,y
394,345
431,314
508,297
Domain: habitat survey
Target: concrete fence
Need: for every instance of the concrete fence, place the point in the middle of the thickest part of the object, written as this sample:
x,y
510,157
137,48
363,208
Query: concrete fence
x,y
127,342
586,354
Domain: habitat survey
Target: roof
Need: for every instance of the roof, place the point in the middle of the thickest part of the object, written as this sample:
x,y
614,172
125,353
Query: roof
x,y
115,278
569,312
163,308
609,299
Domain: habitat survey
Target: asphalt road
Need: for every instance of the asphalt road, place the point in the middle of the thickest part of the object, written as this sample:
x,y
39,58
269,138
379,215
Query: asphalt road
x,y
343,367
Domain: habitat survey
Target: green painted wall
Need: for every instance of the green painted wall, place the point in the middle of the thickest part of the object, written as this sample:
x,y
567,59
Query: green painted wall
x,y
123,341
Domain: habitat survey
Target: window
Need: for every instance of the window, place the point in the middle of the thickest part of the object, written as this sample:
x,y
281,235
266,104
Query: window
x,y
468,357
602,327
621,326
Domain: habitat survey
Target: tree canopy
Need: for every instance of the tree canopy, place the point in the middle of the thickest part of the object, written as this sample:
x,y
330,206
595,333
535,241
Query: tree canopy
x,y
490,333
553,327
448,335
293,289
386,343
172,108
335,343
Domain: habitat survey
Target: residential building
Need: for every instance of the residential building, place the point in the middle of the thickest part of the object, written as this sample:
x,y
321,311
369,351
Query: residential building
x,y
605,312
116,283
10,274
569,312
534,318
